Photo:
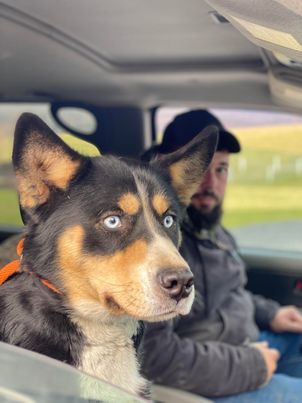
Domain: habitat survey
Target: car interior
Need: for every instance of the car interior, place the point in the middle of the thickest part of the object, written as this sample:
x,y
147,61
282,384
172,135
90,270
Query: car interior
x,y
123,61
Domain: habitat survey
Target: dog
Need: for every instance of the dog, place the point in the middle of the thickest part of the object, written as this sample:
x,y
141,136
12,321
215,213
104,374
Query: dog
x,y
100,251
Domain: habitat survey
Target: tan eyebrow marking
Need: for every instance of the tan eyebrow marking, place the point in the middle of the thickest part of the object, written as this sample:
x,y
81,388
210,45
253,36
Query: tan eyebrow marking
x,y
129,203
160,203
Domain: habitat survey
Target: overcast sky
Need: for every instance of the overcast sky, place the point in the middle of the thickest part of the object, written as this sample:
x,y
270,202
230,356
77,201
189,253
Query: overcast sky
x,y
232,118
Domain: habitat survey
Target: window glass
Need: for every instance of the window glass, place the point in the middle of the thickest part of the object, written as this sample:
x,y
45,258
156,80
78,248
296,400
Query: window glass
x,y
78,119
28,377
263,205
9,113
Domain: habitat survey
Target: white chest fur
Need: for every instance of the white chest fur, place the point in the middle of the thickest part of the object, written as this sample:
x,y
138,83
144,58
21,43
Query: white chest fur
x,y
109,353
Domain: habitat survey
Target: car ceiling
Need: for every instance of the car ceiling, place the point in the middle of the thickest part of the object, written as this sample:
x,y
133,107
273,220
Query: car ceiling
x,y
127,52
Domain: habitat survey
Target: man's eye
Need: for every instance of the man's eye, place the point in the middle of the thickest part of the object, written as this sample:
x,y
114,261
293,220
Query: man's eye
x,y
112,222
168,221
222,170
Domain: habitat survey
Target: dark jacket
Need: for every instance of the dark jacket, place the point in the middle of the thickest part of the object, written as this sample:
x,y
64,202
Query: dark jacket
x,y
207,352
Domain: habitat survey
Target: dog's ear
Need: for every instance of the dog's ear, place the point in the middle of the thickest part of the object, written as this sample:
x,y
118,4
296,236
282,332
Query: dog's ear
x,y
42,162
187,165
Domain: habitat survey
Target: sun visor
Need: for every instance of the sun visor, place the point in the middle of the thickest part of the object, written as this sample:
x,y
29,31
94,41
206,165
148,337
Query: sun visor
x,y
275,25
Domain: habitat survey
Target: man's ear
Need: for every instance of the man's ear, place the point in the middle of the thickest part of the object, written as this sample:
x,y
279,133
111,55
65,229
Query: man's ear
x,y
187,165
42,162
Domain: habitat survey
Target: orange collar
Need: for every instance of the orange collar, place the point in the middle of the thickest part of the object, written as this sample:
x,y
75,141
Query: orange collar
x,y
15,267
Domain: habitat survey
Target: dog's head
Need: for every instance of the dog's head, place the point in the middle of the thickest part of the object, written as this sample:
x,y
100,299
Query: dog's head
x,y
106,231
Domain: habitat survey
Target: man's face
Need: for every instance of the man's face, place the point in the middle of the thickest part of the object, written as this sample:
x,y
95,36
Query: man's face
x,y
211,191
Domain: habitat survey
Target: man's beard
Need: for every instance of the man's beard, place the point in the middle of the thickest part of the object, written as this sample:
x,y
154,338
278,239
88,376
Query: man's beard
x,y
203,220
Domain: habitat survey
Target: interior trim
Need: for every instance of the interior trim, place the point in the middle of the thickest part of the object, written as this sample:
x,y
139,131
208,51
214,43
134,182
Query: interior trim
x,y
273,261
57,35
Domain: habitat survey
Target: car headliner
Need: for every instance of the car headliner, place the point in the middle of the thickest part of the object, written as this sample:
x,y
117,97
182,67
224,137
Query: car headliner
x,y
127,52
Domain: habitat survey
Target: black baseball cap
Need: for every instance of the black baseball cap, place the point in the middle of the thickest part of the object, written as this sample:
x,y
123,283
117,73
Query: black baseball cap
x,y
187,125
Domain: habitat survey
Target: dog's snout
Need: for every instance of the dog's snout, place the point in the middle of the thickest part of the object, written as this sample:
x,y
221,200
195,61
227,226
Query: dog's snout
x,y
177,284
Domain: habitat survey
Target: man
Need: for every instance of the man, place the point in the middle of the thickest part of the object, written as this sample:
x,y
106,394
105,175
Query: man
x,y
218,349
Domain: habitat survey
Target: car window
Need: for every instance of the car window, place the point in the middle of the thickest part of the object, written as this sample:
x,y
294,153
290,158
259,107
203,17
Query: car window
x,y
29,377
9,113
263,205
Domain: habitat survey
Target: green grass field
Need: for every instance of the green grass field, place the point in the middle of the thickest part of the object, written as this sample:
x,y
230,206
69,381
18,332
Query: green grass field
x,y
248,204
9,209
265,181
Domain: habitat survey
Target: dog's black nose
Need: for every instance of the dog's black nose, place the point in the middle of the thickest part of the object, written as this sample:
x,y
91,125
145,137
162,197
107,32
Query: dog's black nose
x,y
177,284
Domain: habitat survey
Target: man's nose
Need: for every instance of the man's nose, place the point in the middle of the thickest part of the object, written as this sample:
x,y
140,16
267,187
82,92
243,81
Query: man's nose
x,y
209,180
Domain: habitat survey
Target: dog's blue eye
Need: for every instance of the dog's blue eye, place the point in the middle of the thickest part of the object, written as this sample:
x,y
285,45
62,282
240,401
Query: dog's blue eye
x,y
112,222
168,221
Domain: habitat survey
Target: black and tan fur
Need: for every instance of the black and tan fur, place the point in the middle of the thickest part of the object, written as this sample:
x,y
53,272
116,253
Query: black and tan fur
x,y
108,278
